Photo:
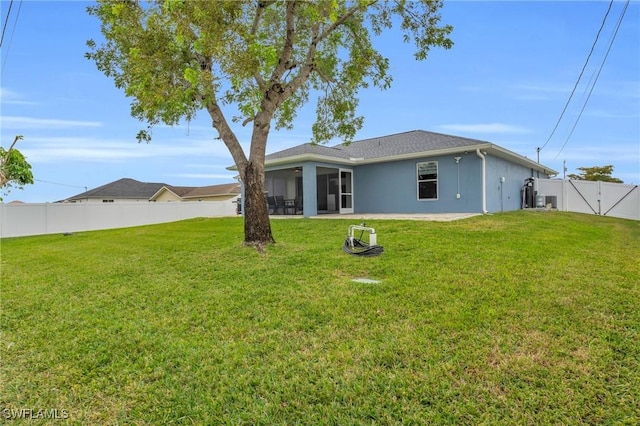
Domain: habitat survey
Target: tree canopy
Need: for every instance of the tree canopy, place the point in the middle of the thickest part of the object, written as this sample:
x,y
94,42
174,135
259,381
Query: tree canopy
x,y
595,173
15,171
255,62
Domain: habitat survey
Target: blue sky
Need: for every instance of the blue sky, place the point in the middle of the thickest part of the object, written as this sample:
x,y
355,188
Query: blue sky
x,y
506,81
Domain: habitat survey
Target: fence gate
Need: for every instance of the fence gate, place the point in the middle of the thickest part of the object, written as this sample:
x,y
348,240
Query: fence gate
x,y
601,198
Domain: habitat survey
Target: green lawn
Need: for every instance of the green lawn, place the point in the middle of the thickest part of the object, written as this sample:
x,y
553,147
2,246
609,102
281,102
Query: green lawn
x,y
515,318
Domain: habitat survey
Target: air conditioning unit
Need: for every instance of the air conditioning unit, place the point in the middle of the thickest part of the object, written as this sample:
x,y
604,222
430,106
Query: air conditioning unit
x,y
551,201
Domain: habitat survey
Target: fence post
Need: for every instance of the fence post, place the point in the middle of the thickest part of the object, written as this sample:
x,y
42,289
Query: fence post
x,y
599,198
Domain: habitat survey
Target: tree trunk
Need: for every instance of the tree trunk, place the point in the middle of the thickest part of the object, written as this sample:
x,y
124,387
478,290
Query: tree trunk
x,y
257,227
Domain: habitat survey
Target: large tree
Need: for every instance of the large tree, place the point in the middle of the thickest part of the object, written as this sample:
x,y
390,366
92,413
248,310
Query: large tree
x,y
15,171
263,58
595,173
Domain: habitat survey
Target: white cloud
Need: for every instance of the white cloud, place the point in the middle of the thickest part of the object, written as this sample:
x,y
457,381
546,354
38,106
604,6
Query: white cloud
x,y
483,128
22,123
10,97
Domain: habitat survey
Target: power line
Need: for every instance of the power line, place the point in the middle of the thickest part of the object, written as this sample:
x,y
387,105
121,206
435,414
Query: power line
x,y
579,77
615,33
61,184
15,23
6,21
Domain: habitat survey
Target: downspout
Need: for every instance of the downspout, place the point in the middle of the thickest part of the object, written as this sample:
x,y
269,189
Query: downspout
x,y
484,181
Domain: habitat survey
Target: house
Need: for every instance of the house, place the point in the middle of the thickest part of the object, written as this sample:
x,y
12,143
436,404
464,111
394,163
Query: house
x,y
124,189
127,189
221,192
411,172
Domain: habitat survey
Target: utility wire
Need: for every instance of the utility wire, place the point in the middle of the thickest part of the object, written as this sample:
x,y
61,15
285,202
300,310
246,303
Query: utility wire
x,y
61,184
579,77
613,37
6,21
15,22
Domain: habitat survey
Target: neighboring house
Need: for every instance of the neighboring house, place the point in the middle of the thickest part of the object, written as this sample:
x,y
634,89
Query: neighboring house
x,y
132,190
411,172
223,192
124,189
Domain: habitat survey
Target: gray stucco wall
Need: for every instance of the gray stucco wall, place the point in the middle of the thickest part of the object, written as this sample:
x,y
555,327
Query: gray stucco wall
x,y
392,187
507,195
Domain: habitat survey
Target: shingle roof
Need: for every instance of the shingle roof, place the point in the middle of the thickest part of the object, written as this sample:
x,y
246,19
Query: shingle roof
x,y
412,144
385,146
201,191
212,190
131,188
122,188
407,143
180,191
309,148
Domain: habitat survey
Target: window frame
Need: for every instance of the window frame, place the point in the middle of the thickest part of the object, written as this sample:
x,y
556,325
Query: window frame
x,y
419,181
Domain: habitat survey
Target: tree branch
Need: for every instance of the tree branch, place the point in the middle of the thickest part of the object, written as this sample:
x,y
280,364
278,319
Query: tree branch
x,y
226,134
8,153
316,39
341,20
307,68
262,5
260,81
287,49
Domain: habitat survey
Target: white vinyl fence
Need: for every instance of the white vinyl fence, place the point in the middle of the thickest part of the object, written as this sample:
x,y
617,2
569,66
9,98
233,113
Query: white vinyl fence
x,y
18,220
601,198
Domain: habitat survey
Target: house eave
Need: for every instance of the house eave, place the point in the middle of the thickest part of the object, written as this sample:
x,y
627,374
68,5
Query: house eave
x,y
423,154
311,157
520,159
104,197
304,158
226,194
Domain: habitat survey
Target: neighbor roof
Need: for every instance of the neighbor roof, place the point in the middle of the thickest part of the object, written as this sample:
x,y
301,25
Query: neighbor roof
x,y
200,191
412,144
213,190
122,188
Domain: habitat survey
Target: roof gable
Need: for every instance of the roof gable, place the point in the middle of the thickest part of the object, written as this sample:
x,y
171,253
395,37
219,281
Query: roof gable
x,y
180,191
200,191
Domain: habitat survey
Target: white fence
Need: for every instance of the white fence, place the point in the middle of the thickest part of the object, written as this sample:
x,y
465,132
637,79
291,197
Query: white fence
x,y
18,220
601,198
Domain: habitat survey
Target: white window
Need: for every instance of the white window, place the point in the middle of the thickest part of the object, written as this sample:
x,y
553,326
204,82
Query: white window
x,y
427,180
